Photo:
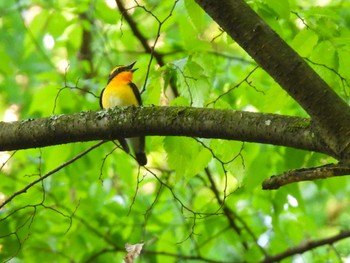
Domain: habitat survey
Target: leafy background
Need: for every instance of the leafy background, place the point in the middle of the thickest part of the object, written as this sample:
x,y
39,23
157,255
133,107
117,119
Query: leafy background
x,y
198,200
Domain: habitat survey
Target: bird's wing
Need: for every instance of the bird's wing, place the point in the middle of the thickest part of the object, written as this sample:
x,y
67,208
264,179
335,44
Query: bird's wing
x,y
101,98
136,92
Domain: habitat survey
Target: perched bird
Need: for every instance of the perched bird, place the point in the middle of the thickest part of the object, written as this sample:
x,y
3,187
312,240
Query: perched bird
x,y
121,91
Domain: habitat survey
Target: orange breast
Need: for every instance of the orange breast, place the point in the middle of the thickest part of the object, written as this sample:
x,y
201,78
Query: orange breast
x,y
118,94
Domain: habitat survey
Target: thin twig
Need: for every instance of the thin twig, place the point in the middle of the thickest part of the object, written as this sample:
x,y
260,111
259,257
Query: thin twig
x,y
25,189
143,40
236,86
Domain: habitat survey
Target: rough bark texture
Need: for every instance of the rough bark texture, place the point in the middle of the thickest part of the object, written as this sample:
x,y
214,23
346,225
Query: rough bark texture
x,y
306,174
294,75
133,121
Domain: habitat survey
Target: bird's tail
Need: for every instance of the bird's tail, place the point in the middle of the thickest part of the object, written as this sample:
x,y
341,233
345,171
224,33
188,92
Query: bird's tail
x,y
124,145
138,145
141,158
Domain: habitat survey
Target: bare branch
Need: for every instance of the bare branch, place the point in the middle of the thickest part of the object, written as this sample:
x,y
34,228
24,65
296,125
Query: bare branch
x,y
307,246
306,174
25,189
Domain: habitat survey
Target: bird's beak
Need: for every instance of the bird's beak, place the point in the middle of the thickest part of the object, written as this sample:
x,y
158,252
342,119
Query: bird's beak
x,y
130,67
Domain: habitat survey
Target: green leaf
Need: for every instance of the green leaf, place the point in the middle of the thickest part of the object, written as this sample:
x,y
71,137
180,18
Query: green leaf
x,y
194,80
281,7
57,23
153,93
325,58
105,13
193,11
188,153
304,42
344,64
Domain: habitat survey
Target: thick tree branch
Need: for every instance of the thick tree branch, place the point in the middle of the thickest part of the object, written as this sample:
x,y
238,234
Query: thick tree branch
x,y
324,106
176,121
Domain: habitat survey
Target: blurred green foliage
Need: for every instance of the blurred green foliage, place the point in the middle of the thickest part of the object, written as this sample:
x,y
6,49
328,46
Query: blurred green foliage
x,y
55,58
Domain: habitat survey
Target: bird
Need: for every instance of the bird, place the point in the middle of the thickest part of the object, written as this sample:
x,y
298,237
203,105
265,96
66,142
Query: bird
x,y
121,91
